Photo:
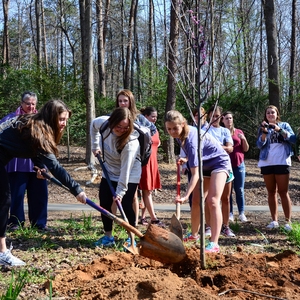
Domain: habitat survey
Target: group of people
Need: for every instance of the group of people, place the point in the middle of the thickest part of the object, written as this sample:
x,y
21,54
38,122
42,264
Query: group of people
x,y
29,138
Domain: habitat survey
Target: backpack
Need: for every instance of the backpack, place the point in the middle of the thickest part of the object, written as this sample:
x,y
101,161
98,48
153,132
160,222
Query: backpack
x,y
144,140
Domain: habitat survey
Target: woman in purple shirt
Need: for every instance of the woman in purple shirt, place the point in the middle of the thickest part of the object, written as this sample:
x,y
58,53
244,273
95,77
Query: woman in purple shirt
x,y
216,169
22,178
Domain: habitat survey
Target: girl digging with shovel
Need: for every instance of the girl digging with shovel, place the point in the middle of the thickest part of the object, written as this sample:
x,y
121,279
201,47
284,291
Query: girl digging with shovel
x,y
216,169
119,148
32,136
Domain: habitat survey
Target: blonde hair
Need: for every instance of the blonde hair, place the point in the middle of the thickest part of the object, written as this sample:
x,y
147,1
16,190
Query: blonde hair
x,y
177,118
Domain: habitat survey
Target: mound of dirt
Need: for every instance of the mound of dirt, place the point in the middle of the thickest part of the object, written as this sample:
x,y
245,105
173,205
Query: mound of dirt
x,y
124,276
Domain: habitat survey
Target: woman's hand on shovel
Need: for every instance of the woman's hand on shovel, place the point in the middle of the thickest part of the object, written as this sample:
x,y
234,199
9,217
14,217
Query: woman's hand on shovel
x,y
117,198
39,172
180,200
81,197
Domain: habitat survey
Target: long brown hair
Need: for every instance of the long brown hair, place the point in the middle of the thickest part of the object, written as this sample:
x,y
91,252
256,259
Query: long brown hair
x,y
43,128
119,114
177,118
132,106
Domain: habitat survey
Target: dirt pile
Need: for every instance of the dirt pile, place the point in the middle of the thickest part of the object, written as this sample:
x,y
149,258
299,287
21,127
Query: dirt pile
x,y
124,276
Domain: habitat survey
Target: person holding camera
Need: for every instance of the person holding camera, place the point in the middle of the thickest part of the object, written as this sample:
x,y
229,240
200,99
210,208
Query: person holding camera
x,y
274,141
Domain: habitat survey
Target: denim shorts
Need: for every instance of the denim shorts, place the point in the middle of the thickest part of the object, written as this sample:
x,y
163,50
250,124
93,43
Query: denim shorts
x,y
230,177
276,169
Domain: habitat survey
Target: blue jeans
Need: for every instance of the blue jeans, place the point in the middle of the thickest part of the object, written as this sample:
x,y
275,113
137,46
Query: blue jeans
x,y
37,196
238,186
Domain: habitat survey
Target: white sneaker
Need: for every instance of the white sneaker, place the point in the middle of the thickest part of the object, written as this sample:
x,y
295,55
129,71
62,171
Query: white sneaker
x,y
207,231
7,259
287,227
272,225
231,217
243,218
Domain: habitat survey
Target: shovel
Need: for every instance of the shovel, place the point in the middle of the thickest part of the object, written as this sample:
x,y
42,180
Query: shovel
x,y
132,248
175,226
157,243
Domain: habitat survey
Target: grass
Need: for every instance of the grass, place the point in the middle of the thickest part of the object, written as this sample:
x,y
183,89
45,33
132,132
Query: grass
x,y
72,243
16,284
45,250
294,234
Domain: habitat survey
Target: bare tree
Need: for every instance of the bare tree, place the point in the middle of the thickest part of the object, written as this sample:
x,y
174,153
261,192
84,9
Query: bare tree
x,y
85,7
102,17
271,31
293,56
172,71
127,74
5,50
38,31
44,37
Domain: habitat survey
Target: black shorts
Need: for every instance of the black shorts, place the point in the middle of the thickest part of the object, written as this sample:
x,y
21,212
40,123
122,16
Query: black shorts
x,y
277,169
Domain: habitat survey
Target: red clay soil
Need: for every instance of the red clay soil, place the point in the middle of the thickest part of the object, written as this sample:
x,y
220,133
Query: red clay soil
x,y
125,276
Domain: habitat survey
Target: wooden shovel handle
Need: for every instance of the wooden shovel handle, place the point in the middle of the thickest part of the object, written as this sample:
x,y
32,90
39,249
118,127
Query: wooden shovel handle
x,y
178,191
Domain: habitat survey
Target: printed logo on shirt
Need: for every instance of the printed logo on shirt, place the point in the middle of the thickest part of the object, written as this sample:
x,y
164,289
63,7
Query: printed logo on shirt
x,y
275,137
8,123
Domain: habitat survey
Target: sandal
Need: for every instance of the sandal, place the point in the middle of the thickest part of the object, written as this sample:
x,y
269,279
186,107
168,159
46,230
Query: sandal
x,y
143,221
158,223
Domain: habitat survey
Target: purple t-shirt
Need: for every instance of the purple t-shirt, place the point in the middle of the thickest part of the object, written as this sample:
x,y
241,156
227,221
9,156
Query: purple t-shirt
x,y
213,154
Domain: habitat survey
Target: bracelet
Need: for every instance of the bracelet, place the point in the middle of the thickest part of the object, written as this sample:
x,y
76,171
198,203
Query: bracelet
x,y
281,131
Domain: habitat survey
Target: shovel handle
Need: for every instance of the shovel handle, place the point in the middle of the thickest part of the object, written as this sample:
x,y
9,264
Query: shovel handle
x,y
178,191
105,212
53,179
119,221
120,207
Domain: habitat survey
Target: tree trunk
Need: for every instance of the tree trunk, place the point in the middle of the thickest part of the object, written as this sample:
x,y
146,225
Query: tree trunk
x,y
38,31
172,71
129,45
5,50
44,36
85,7
102,18
271,31
293,57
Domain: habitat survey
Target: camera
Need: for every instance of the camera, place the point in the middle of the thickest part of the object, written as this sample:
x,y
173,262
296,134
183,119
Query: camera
x,y
269,126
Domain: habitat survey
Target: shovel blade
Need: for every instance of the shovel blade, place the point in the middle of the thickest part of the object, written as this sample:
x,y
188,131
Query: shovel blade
x,y
162,245
176,227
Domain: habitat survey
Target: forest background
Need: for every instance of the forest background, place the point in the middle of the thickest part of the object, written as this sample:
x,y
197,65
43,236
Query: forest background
x,y
239,54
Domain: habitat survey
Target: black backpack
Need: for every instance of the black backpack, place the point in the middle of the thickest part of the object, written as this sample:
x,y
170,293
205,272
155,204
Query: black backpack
x,y
144,140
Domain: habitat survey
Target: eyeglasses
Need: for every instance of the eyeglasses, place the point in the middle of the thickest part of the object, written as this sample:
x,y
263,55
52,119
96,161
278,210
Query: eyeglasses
x,y
28,103
122,128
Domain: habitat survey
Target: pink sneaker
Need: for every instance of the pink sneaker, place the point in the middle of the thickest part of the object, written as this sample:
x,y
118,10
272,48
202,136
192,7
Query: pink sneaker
x,y
191,238
212,248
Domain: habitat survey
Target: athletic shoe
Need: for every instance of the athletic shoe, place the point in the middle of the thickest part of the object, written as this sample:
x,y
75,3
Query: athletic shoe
x,y
128,242
272,225
207,232
212,248
243,218
226,231
13,227
7,259
191,238
287,227
231,217
106,241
